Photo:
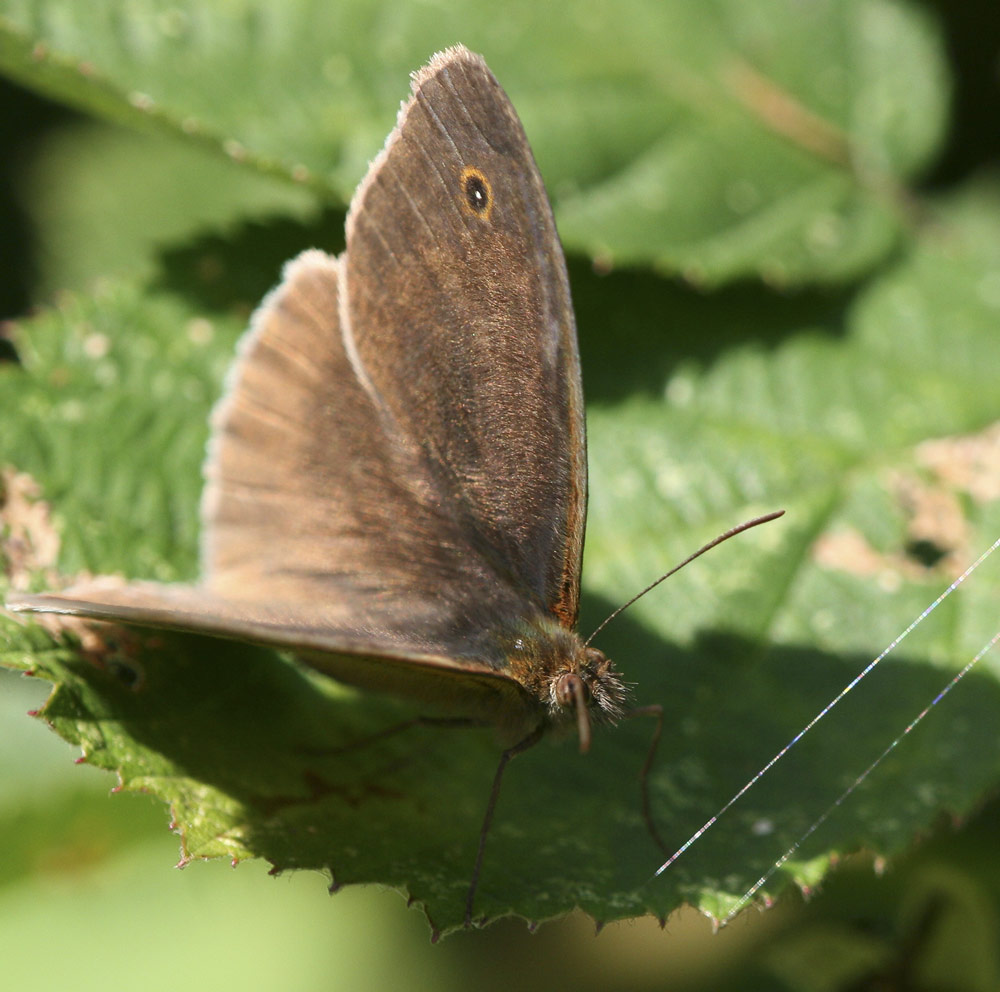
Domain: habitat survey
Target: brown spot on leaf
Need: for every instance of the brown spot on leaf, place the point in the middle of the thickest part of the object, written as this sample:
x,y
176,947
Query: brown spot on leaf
x,y
29,550
947,474
937,532
847,550
29,544
969,464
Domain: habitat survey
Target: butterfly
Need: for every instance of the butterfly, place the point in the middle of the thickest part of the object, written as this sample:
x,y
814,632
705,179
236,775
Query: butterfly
x,y
396,484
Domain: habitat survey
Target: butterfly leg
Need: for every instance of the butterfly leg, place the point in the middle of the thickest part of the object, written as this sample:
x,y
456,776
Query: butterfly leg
x,y
655,710
530,741
398,728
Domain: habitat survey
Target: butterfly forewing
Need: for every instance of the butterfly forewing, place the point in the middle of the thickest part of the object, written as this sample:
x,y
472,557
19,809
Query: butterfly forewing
x,y
479,371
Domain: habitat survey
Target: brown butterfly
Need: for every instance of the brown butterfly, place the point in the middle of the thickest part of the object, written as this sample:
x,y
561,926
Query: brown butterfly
x,y
396,481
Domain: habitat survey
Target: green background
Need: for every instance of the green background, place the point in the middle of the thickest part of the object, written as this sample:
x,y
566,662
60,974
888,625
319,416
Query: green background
x,y
781,227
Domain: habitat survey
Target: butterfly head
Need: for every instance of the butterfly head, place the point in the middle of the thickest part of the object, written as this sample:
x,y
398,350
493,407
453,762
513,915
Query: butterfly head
x,y
590,686
573,682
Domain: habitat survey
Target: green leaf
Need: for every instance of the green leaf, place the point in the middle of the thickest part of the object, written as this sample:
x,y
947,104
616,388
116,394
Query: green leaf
x,y
717,140
105,201
143,370
854,413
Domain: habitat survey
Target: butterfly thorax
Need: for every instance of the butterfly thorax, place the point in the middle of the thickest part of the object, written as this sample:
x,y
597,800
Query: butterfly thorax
x,y
555,666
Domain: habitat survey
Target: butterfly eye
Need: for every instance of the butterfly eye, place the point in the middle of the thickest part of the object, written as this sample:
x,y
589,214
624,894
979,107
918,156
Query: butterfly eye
x,y
476,192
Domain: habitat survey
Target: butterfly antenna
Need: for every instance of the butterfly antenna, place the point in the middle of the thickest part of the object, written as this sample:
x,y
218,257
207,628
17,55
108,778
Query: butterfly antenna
x,y
732,532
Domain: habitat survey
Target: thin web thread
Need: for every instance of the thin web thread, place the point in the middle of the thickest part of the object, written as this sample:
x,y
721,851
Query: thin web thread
x,y
819,716
762,881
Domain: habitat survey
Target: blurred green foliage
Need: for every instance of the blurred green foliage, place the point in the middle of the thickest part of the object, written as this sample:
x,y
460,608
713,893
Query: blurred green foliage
x,y
781,221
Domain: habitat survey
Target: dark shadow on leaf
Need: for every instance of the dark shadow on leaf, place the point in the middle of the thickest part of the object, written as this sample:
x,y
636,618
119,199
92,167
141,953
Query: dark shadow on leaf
x,y
26,118
635,327
8,353
405,809
231,271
